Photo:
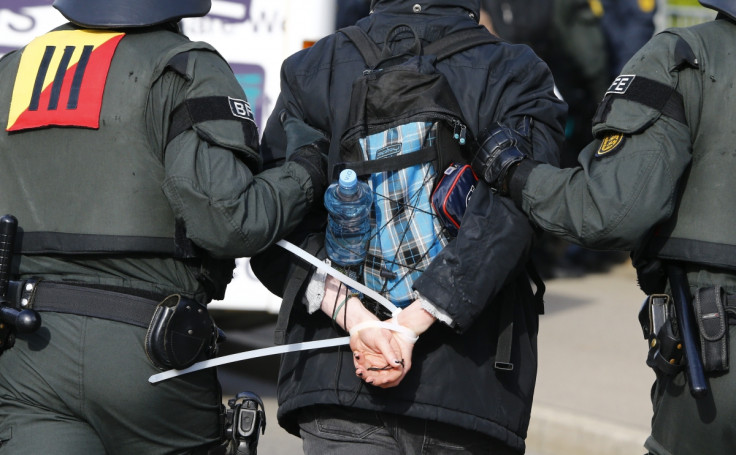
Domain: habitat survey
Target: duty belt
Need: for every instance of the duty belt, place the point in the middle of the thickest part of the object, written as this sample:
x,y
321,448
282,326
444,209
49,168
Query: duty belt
x,y
82,300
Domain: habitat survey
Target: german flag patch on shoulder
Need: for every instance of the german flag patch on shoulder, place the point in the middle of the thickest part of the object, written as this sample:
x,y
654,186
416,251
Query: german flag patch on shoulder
x,y
61,79
610,143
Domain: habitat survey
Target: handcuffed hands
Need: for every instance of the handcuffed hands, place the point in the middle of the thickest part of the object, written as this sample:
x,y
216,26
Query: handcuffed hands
x,y
382,350
404,330
381,357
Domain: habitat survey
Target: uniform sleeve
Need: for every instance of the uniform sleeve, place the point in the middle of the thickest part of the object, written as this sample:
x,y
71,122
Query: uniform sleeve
x,y
210,181
627,179
495,237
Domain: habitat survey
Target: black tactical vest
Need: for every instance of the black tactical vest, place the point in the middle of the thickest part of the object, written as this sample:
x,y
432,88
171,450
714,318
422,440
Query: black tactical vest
x,y
702,228
78,166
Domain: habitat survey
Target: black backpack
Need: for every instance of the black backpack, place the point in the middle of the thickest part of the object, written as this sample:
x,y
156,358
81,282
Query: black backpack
x,y
405,127
400,88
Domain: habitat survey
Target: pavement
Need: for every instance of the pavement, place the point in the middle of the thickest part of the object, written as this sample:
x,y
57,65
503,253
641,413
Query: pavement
x,y
592,394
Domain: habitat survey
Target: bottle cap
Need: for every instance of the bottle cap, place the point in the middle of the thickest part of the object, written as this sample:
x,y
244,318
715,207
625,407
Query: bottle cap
x,y
348,181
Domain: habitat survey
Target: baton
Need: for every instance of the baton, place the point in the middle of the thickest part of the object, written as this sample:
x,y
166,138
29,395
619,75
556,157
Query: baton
x,y
8,228
681,296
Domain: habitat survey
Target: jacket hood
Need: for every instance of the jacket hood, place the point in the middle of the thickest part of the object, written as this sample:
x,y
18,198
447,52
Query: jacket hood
x,y
472,6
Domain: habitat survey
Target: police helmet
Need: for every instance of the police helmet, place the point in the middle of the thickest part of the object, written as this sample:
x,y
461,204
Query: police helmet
x,y
129,13
727,7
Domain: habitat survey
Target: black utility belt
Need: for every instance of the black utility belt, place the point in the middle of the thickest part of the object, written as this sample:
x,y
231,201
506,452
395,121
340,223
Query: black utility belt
x,y
82,300
179,333
713,312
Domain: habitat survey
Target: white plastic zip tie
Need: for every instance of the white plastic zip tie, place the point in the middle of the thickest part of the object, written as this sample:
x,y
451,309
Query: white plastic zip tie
x,y
340,276
405,332
217,361
246,355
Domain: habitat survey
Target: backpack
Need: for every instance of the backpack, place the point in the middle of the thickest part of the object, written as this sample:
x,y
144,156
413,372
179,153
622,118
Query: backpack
x,y
405,127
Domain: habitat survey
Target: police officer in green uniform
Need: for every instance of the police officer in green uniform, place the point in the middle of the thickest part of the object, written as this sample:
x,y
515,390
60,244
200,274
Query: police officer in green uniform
x,y
128,155
658,181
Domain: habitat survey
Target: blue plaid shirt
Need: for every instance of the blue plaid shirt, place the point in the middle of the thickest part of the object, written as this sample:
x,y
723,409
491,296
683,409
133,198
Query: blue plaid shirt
x,y
405,233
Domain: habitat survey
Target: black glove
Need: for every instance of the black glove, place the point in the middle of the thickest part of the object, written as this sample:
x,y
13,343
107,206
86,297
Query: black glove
x,y
308,147
497,154
313,158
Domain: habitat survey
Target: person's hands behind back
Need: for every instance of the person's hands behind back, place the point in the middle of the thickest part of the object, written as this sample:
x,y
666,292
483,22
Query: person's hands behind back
x,y
373,350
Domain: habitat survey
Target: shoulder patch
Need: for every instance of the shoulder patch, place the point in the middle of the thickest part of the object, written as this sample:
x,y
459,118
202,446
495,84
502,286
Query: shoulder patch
x,y
61,79
610,143
241,109
621,84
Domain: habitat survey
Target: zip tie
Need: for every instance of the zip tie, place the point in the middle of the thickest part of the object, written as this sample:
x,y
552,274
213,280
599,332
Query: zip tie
x,y
246,355
405,332
340,276
250,355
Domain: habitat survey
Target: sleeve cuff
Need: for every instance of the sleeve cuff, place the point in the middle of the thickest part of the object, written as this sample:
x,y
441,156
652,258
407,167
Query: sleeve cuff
x,y
518,180
316,290
430,308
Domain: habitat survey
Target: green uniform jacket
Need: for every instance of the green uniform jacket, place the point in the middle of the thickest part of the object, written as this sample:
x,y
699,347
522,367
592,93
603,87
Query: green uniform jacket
x,y
129,177
630,179
659,181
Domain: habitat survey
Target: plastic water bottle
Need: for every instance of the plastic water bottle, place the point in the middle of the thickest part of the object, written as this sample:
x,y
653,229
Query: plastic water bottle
x,y
348,203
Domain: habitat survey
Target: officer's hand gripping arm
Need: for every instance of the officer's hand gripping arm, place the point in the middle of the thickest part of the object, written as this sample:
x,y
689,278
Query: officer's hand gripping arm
x,y
307,147
497,155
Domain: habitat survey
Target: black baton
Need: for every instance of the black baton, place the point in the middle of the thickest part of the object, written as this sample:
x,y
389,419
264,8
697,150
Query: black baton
x,y
8,228
25,321
681,296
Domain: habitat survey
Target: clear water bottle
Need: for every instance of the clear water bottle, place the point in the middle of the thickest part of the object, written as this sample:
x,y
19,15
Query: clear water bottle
x,y
348,225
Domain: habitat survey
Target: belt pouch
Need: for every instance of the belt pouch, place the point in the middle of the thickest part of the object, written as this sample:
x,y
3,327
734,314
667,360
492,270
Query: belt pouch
x,y
660,329
181,332
713,327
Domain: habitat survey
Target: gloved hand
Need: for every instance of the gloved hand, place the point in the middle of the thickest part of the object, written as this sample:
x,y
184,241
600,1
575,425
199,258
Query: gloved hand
x,y
308,147
497,154
298,133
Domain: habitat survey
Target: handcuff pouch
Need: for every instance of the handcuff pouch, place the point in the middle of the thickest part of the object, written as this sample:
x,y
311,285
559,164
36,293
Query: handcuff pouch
x,y
181,333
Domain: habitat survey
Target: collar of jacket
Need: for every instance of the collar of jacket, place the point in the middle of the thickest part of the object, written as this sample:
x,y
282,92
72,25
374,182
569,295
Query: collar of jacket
x,y
426,6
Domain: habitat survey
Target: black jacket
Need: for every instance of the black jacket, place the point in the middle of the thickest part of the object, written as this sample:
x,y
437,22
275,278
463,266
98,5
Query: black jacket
x,y
453,379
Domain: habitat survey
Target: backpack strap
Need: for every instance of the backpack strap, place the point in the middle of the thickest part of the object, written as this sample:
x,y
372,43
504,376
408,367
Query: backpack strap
x,y
366,46
442,48
506,320
368,167
460,41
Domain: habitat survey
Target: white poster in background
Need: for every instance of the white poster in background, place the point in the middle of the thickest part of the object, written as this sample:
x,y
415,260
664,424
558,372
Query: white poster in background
x,y
254,36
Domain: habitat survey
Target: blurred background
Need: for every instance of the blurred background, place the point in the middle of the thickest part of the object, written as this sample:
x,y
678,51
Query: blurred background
x,y
585,43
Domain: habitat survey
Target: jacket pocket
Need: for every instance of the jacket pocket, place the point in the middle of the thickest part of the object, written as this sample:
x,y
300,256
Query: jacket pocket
x,y
337,421
6,432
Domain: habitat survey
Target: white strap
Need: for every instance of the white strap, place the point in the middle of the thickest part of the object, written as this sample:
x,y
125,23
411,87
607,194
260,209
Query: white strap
x,y
250,355
340,276
405,332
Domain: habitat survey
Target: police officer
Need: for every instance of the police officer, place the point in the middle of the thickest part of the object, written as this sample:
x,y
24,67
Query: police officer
x,y
128,155
658,181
